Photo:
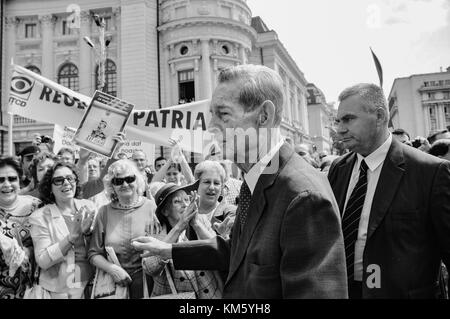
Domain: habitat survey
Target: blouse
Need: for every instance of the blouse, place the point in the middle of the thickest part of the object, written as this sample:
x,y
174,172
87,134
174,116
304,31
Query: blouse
x,y
116,227
14,224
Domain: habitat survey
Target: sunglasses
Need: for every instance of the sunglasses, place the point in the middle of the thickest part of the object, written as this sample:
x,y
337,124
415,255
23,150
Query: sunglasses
x,y
58,181
117,181
11,179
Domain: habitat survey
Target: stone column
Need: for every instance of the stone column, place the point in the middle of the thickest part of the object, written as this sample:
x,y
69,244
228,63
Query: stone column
x,y
206,70
47,23
168,85
242,55
87,85
440,116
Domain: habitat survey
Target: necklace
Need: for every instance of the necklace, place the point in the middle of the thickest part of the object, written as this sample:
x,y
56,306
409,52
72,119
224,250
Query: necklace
x,y
127,206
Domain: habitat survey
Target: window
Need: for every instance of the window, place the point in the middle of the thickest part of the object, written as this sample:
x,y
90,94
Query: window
x,y
108,24
446,95
68,76
33,68
447,113
431,96
110,78
66,29
30,30
184,50
426,84
433,117
186,85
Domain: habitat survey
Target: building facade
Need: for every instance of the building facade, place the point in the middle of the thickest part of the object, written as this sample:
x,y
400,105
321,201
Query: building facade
x,y
160,53
420,104
269,51
321,118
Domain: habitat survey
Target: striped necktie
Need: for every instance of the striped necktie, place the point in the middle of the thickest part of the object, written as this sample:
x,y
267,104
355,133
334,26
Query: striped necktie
x,y
352,215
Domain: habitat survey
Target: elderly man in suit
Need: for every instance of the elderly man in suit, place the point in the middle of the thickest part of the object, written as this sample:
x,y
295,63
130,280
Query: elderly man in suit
x,y
286,241
394,201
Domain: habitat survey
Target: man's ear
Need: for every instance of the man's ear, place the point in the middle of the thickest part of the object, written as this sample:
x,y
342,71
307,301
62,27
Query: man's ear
x,y
381,115
267,114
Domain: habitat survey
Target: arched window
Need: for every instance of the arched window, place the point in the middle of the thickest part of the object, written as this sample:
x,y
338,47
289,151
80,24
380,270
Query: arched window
x,y
33,68
68,76
110,78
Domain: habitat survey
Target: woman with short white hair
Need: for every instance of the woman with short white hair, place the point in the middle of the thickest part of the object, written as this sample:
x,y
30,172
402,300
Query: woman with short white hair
x,y
212,210
128,216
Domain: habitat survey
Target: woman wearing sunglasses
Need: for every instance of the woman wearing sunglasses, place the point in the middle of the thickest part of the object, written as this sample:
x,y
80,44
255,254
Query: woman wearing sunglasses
x,y
16,246
178,215
129,215
61,233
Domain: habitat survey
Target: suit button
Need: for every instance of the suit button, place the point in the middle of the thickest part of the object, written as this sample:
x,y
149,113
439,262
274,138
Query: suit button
x,y
206,291
202,273
181,279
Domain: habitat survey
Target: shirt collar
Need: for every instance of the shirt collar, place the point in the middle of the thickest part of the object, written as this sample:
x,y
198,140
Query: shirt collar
x,y
377,157
251,178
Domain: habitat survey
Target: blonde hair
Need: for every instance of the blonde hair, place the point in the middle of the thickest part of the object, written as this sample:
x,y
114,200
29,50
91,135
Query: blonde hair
x,y
122,166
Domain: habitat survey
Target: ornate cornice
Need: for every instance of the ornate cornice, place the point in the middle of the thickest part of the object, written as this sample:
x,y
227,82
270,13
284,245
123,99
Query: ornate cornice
x,y
11,22
204,21
47,19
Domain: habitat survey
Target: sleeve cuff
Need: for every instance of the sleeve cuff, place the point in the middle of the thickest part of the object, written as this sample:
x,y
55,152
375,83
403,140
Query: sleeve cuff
x,y
54,252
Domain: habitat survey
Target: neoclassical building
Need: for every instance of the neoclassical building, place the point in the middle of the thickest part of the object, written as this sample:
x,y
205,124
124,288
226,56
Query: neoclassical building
x,y
321,117
160,53
420,103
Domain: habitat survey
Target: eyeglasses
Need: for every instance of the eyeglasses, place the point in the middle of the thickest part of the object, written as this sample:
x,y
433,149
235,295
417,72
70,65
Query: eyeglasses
x,y
11,179
58,181
117,181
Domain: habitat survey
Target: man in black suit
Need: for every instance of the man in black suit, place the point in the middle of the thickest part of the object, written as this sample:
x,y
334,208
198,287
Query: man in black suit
x,y
394,201
286,241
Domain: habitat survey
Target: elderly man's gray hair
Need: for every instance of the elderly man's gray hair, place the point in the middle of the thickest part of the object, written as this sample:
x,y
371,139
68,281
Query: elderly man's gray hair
x,y
371,94
257,84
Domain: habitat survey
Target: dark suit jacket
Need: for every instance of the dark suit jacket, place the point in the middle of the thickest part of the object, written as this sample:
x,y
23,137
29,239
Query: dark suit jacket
x,y
291,245
409,224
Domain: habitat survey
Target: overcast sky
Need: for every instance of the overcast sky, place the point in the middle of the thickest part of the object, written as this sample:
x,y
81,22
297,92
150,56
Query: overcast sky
x,y
329,39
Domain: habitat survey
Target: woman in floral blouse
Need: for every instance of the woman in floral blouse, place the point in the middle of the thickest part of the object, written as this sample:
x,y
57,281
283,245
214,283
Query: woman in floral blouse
x,y
16,253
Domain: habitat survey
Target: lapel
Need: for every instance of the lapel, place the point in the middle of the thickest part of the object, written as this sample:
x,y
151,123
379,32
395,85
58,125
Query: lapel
x,y
343,179
256,209
388,183
58,223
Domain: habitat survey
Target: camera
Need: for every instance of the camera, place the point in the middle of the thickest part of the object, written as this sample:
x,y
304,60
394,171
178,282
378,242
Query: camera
x,y
416,143
45,139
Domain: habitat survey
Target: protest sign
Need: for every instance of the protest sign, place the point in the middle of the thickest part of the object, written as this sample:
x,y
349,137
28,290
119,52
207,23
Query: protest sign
x,y
105,117
63,137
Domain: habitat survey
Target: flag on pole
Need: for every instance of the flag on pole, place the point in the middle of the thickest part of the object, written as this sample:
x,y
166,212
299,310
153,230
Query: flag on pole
x,y
379,68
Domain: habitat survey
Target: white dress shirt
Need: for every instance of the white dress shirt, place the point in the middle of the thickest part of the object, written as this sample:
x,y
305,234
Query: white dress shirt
x,y
375,163
251,178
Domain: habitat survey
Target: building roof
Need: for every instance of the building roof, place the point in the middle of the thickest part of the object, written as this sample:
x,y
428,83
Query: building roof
x,y
259,25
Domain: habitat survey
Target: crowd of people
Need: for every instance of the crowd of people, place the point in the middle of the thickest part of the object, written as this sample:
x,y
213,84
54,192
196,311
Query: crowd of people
x,y
372,223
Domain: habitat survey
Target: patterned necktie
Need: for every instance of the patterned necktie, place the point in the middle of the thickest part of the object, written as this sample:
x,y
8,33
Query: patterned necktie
x,y
352,215
244,203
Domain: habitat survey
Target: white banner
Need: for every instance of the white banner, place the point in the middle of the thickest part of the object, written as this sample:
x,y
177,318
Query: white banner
x,y
36,97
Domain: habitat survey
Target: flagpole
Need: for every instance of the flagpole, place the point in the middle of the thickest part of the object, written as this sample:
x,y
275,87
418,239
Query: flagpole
x,y
10,118
10,134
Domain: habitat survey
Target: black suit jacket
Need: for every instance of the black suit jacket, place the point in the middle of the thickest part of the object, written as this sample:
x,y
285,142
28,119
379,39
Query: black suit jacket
x,y
291,245
409,224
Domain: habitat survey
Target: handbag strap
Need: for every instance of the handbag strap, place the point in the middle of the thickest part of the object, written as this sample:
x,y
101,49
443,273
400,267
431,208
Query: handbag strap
x,y
144,284
170,280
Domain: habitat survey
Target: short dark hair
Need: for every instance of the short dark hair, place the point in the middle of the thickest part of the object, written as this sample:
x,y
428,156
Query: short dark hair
x,y
400,132
45,187
440,147
66,150
433,136
160,158
42,156
12,162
